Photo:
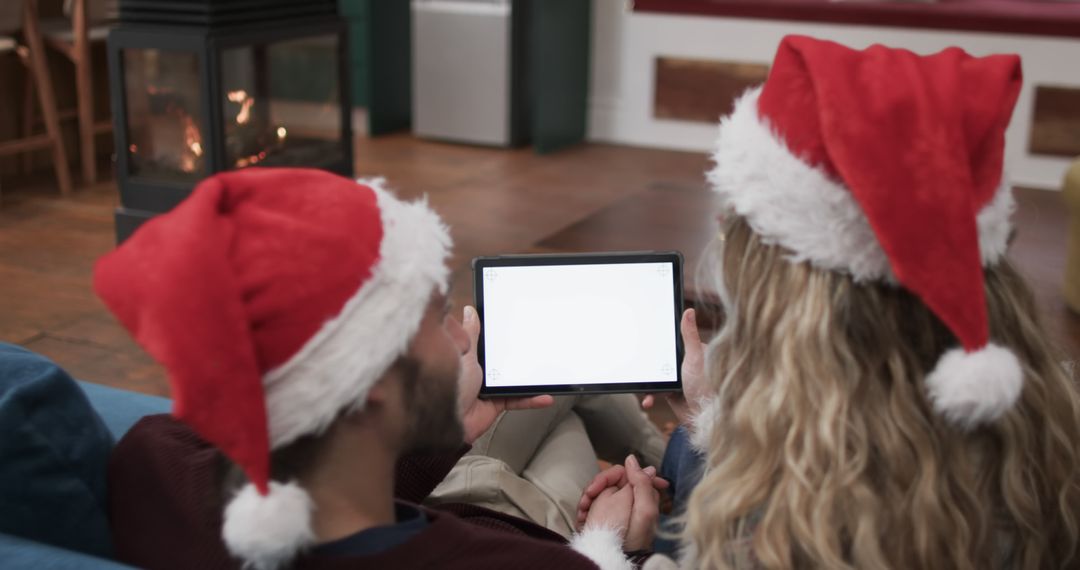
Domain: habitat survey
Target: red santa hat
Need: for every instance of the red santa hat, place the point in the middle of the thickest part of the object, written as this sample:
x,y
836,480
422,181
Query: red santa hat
x,y
275,298
887,165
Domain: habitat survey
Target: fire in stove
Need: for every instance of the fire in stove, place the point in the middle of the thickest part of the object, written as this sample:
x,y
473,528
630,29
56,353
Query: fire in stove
x,y
193,146
242,88
249,141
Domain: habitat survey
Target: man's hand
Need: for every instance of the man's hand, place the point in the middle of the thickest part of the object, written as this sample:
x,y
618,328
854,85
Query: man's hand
x,y
477,415
612,509
693,372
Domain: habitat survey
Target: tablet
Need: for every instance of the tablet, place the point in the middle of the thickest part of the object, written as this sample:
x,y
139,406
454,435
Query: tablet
x,y
581,323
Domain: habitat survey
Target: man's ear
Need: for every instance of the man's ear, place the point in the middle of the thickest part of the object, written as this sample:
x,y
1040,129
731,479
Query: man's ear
x,y
376,400
378,393
385,390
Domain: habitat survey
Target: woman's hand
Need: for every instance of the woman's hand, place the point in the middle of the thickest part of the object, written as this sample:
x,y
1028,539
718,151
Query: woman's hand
x,y
614,476
477,415
693,371
625,498
646,508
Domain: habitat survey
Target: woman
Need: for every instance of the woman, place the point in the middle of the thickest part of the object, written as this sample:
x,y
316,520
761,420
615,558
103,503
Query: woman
x,y
883,395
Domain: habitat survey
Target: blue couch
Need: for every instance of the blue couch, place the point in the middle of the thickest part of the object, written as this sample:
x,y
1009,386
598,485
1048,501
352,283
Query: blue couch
x,y
52,439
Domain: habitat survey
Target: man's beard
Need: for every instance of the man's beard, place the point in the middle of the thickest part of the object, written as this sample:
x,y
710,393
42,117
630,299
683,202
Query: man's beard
x,y
431,403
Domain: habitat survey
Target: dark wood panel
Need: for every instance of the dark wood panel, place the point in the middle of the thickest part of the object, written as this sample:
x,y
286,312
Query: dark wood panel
x,y
1055,127
1038,18
1038,251
699,89
665,217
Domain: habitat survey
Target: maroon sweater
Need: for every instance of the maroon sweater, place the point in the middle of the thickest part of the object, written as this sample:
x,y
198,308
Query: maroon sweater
x,y
165,513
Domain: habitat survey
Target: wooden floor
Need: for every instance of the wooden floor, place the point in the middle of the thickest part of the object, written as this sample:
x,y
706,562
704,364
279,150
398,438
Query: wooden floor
x,y
595,197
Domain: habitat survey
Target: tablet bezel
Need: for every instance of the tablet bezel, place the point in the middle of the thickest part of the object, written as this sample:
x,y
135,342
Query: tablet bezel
x,y
604,258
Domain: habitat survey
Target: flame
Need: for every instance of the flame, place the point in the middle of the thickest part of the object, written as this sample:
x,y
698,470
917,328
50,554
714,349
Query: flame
x,y
245,112
240,96
243,117
193,142
186,153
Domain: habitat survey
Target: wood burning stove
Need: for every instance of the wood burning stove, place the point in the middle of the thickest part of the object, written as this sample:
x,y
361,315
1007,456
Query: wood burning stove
x,y
204,86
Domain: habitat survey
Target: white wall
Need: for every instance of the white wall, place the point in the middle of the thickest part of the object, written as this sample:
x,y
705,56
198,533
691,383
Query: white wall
x,y
626,44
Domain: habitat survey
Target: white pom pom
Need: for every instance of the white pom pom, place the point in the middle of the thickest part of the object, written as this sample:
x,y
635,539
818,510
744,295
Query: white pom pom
x,y
971,388
266,532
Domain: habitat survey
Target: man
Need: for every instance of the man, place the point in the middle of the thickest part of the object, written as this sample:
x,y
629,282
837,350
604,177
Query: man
x,y
302,319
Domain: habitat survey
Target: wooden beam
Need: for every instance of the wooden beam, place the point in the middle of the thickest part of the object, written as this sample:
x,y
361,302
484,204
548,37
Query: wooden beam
x,y
1055,126
701,90
23,145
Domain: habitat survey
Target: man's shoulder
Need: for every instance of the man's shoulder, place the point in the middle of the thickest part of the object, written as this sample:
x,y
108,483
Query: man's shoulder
x,y
162,471
482,545
450,542
159,435
160,453
163,501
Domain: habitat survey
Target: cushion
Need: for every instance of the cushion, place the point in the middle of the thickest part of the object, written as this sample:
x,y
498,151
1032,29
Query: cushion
x,y
120,409
21,554
54,452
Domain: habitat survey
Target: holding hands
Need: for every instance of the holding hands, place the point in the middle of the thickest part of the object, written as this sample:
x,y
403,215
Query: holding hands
x,y
624,498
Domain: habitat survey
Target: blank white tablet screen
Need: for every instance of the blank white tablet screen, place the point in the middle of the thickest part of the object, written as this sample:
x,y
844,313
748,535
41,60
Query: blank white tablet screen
x,y
579,324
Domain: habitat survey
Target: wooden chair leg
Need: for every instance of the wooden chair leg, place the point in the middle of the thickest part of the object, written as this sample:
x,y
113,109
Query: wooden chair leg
x,y
84,83
46,96
28,120
87,152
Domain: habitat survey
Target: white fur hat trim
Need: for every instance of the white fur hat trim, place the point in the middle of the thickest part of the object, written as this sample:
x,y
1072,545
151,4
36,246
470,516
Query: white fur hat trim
x,y
339,364
267,532
972,388
603,546
798,206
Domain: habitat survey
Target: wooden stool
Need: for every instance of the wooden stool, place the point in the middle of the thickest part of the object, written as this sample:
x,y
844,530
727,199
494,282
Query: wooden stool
x,y
13,14
1071,193
83,24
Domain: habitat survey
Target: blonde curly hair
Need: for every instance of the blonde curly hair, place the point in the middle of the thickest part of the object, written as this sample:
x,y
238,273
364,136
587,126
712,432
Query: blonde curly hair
x,y
827,452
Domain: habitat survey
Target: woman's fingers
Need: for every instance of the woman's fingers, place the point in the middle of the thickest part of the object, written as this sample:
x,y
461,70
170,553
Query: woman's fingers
x,y
690,334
